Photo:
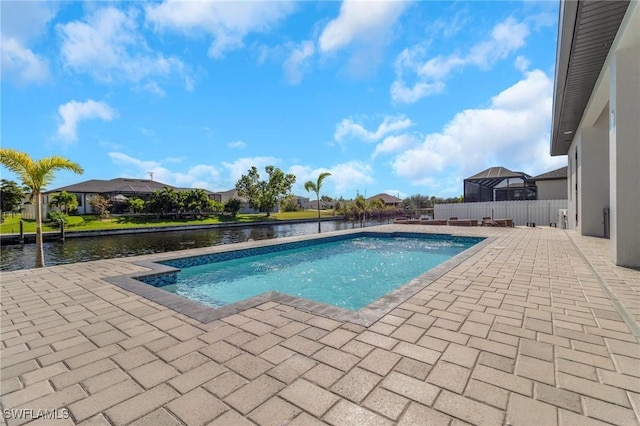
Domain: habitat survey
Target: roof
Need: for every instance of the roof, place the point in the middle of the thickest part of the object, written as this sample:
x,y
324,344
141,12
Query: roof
x,y
117,185
558,174
497,172
386,198
586,32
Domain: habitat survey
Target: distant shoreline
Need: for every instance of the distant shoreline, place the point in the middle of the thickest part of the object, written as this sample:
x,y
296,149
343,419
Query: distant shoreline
x,y
30,237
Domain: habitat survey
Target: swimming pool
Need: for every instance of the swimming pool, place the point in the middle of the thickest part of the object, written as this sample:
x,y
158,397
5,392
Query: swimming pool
x,y
349,272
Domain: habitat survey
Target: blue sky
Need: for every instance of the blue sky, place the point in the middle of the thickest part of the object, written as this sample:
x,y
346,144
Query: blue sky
x,y
397,97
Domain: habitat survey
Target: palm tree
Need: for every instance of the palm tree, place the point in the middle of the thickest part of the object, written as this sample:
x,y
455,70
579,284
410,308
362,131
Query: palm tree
x,y
36,175
65,201
315,187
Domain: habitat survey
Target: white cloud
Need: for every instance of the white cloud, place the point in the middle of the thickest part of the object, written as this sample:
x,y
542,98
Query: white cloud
x,y
349,177
242,165
522,63
298,60
348,128
408,95
22,24
345,180
512,132
429,74
73,112
393,144
227,22
360,21
199,176
108,46
237,144
20,64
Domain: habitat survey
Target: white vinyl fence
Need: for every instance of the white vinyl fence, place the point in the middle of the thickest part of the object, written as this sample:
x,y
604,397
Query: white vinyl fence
x,y
540,212
29,211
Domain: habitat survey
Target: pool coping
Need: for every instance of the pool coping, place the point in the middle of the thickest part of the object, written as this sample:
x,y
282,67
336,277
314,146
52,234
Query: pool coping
x,y
365,316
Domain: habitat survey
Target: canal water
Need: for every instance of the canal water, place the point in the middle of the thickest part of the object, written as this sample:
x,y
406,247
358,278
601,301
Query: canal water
x,y
22,256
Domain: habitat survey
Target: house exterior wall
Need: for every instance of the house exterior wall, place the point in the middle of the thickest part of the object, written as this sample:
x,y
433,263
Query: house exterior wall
x,y
624,152
552,189
606,171
593,177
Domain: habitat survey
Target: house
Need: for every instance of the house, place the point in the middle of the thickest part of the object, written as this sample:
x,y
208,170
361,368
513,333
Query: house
x,y
498,184
552,185
595,121
324,205
388,200
246,207
117,190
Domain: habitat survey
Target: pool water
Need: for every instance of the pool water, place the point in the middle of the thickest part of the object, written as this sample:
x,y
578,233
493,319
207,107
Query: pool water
x,y
349,273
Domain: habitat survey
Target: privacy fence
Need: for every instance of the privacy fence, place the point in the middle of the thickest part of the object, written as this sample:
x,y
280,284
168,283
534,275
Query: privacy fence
x,y
540,212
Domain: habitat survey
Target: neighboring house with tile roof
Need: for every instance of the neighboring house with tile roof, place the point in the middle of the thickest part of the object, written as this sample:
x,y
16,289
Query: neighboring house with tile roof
x,y
117,190
552,185
388,200
498,184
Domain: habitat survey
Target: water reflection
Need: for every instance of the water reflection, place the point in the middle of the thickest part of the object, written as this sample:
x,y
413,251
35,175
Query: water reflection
x,y
14,257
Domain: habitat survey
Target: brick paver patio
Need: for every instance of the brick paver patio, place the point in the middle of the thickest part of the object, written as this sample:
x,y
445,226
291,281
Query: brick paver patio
x,y
538,327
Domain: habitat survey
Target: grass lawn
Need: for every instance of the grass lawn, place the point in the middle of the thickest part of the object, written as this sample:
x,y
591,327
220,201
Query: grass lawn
x,y
11,225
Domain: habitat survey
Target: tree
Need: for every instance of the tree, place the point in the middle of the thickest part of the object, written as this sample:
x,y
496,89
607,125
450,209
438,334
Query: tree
x,y
36,174
101,205
196,200
315,187
64,201
264,195
165,201
290,203
233,206
11,196
136,204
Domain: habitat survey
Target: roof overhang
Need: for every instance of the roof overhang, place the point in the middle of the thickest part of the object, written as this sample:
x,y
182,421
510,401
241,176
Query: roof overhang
x,y
587,29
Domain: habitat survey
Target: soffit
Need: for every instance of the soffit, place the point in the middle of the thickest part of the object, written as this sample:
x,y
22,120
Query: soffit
x,y
588,29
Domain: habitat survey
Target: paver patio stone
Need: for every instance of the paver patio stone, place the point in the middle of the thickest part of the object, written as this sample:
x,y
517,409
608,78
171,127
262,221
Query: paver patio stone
x,y
133,358
76,375
196,376
418,415
467,409
292,368
386,403
309,397
525,411
275,412
535,369
449,376
254,393
141,404
104,380
411,388
346,413
248,366
225,383
188,407
157,417
277,354
153,373
335,358
103,400
380,361
356,384
230,418
559,397
189,362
